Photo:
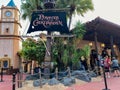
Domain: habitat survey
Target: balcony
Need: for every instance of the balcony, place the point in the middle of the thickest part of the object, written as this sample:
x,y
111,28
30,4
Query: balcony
x,y
6,20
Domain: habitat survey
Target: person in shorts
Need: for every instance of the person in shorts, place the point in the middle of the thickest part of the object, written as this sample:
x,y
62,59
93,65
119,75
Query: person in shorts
x,y
115,67
107,62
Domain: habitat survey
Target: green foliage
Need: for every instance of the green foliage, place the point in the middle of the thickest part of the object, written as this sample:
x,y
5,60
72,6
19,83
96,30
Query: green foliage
x,y
33,50
65,57
29,6
58,50
81,52
29,53
85,51
28,49
77,53
75,57
81,6
55,52
79,30
40,51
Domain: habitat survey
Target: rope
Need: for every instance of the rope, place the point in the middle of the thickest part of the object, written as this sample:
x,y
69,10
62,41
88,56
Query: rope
x,y
66,74
49,74
20,80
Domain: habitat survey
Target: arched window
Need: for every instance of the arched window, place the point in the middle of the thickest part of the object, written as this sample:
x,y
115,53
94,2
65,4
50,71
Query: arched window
x,y
7,30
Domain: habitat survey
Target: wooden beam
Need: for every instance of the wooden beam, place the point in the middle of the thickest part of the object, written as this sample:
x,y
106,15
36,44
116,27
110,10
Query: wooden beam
x,y
111,44
25,36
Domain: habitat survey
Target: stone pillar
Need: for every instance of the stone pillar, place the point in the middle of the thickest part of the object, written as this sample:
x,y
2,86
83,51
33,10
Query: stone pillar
x,y
29,67
96,46
32,68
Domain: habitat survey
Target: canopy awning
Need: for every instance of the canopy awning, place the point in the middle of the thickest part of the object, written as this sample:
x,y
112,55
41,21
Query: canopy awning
x,y
104,30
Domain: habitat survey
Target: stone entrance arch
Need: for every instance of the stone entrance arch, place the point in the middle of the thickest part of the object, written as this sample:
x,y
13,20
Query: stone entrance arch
x,y
5,62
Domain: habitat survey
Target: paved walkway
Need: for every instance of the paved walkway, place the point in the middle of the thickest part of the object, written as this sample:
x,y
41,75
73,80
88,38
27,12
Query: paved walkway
x,y
113,83
7,82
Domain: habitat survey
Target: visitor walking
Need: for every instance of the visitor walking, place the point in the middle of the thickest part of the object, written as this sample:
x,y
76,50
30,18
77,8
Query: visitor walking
x,y
115,67
107,63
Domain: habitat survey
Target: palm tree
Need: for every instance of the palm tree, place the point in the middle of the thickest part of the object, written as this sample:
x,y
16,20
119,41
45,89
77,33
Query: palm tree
x,y
80,6
79,32
29,6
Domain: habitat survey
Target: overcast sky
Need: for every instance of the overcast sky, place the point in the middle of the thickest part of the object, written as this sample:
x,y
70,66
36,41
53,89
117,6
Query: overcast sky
x,y
106,9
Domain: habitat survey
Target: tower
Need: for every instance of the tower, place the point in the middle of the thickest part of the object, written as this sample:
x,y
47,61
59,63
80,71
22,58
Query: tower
x,y
9,35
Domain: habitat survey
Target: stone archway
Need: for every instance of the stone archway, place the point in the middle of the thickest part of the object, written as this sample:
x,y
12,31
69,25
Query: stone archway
x,y
5,62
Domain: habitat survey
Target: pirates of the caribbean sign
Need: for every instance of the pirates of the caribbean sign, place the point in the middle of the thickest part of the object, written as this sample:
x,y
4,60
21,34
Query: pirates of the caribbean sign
x,y
49,21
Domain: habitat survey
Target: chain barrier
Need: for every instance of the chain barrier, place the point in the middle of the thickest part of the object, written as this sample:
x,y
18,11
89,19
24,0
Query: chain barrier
x,y
18,81
40,74
13,82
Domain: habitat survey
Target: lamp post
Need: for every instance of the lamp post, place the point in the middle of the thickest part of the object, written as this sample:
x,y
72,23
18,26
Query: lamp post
x,y
102,45
105,81
104,76
90,44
